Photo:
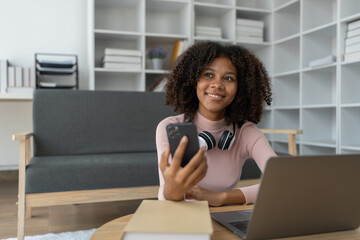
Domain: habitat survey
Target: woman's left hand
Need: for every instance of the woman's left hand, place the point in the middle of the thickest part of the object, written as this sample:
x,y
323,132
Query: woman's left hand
x,y
215,199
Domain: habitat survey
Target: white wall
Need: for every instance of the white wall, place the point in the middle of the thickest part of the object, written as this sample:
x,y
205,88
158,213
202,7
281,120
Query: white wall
x,y
28,27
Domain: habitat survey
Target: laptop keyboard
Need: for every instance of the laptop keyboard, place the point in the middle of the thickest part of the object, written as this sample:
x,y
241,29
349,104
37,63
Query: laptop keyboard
x,y
241,225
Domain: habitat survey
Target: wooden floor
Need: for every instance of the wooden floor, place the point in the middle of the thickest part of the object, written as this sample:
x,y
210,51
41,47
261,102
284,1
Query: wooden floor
x,y
57,219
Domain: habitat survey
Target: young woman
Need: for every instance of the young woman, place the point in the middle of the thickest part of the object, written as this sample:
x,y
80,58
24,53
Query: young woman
x,y
222,89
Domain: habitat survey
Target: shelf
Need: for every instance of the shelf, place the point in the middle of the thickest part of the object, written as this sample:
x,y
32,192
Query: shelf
x,y
118,15
106,35
350,150
16,96
317,150
322,12
350,130
286,90
319,86
322,44
350,83
286,119
258,5
349,8
287,20
119,80
107,70
283,4
286,56
319,125
320,144
167,17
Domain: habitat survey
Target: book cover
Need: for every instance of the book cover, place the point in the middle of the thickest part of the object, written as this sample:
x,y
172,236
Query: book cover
x,y
175,52
249,22
352,48
250,31
32,77
3,75
322,61
170,220
209,29
123,59
122,66
124,52
354,24
18,77
249,39
26,77
355,56
354,32
11,76
352,40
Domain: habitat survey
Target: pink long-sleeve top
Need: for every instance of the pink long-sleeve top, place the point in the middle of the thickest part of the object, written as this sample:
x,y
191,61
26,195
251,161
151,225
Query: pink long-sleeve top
x,y
224,166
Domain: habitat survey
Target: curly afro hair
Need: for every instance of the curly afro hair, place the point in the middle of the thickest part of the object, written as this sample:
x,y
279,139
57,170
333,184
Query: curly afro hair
x,y
253,88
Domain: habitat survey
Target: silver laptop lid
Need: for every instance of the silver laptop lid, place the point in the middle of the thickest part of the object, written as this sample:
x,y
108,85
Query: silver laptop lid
x,y
307,194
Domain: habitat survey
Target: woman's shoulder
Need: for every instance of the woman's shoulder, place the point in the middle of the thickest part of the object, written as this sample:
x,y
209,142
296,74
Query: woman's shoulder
x,y
249,129
171,119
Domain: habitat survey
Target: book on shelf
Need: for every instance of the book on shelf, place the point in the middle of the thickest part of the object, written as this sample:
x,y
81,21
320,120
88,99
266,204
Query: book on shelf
x,y
3,74
122,66
124,52
249,39
11,76
352,48
352,40
249,22
209,29
352,33
354,56
120,58
322,61
26,77
170,220
179,47
249,31
354,24
18,77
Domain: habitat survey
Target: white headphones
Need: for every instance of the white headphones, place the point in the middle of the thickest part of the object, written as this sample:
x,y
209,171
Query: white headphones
x,y
226,140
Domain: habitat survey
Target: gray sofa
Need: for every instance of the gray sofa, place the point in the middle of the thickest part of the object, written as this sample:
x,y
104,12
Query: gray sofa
x,y
94,140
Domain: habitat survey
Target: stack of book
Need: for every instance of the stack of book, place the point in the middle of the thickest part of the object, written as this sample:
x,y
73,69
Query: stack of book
x,y
16,79
208,32
352,41
179,47
248,30
123,59
56,71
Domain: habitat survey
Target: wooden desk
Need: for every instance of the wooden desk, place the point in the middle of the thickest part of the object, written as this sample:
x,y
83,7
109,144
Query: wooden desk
x,y
114,229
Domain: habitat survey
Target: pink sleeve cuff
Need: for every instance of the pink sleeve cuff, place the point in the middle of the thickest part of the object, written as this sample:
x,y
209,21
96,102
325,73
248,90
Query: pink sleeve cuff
x,y
250,193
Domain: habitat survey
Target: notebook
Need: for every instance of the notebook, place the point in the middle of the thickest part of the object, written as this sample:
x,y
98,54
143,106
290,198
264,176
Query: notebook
x,y
301,195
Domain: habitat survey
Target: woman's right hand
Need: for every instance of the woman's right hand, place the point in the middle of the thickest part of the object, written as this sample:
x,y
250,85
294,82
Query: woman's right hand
x,y
180,180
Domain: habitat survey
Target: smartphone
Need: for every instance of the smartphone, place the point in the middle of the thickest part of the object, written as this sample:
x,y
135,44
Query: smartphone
x,y
175,131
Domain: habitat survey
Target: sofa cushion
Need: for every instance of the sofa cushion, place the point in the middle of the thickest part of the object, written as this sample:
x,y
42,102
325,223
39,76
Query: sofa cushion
x,y
68,122
83,172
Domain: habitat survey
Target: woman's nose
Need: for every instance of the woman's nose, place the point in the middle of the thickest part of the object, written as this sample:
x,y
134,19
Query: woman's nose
x,y
217,83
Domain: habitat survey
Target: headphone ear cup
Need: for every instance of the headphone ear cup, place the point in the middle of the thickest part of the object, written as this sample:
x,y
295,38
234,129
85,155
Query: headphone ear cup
x,y
225,141
207,140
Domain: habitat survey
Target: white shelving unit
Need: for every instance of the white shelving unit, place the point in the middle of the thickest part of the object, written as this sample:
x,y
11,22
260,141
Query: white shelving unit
x,y
144,24
323,101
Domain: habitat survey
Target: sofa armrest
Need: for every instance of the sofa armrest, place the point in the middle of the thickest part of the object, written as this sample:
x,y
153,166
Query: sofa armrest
x,y
21,136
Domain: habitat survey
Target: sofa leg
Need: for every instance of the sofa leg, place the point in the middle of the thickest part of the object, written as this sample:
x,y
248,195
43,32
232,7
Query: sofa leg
x,y
21,218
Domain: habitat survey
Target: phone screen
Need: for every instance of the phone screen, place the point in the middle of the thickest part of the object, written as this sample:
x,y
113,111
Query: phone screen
x,y
175,132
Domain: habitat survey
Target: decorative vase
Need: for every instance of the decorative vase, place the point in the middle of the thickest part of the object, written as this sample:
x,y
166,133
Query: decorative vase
x,y
156,63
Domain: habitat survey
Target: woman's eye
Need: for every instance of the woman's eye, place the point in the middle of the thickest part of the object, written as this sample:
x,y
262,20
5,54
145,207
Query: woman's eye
x,y
229,78
209,75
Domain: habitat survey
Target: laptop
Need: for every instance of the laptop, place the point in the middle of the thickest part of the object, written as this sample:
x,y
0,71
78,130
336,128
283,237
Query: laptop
x,y
301,195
